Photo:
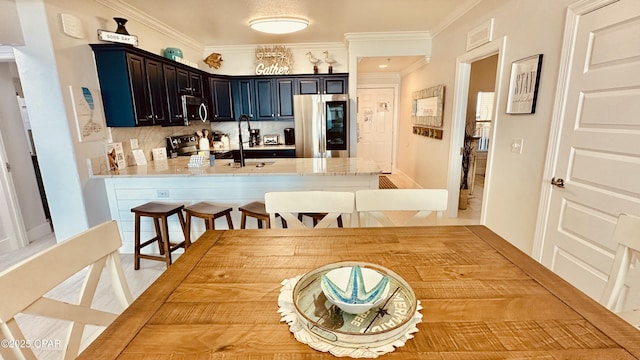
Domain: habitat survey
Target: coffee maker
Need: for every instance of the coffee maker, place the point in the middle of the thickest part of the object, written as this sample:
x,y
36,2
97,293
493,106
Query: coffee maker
x,y
254,137
289,136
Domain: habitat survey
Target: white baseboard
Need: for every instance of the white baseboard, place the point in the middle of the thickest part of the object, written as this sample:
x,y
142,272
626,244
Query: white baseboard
x,y
39,231
415,184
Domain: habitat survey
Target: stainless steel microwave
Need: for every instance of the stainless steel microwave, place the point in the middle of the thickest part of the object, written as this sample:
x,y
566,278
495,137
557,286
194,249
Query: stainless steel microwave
x,y
194,108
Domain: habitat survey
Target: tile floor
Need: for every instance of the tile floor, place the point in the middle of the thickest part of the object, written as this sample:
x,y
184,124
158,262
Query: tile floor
x,y
469,216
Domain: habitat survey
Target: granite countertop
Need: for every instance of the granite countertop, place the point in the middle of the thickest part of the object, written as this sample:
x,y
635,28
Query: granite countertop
x,y
278,166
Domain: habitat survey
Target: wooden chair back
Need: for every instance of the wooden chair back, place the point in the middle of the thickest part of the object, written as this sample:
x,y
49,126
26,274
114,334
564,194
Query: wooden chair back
x,y
289,203
627,236
376,202
23,286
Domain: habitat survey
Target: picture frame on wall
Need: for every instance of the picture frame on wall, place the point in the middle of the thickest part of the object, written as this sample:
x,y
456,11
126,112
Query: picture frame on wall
x,y
523,85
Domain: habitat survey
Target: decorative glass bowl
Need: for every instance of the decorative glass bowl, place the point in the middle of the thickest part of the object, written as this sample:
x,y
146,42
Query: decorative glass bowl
x,y
386,322
355,289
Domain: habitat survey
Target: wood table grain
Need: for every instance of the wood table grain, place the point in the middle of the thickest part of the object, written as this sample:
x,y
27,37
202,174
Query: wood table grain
x,y
482,299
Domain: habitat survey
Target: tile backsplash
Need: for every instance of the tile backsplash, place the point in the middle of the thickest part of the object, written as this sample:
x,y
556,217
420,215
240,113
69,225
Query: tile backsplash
x,y
150,137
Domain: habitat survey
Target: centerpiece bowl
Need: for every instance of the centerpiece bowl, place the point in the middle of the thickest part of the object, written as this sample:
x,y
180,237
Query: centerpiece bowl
x,y
355,289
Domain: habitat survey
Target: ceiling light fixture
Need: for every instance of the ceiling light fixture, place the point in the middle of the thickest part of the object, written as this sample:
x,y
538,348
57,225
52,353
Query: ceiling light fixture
x,y
384,66
279,25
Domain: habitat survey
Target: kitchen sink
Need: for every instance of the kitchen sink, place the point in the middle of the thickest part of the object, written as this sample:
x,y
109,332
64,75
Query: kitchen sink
x,y
255,163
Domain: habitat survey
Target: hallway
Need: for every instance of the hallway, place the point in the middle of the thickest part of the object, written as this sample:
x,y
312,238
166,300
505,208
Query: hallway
x,y
469,216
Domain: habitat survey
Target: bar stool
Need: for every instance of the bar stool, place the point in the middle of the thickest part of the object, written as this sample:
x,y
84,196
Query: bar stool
x,y
207,211
258,211
159,212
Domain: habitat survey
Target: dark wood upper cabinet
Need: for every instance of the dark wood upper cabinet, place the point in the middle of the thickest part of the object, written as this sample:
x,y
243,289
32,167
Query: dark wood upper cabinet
x,y
189,83
222,105
322,84
284,102
157,92
334,85
139,88
242,93
264,95
308,86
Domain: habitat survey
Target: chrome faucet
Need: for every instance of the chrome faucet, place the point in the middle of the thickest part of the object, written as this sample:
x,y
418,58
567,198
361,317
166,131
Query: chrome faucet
x,y
242,117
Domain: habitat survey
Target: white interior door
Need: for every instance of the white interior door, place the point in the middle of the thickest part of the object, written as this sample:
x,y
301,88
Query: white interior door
x,y
375,126
598,151
12,232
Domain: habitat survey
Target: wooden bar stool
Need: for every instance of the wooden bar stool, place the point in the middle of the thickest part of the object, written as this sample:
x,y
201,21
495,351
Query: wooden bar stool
x,y
159,212
258,211
207,211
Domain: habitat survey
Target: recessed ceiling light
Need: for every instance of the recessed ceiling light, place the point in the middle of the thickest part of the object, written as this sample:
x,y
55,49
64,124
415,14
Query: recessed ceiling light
x,y
384,66
279,25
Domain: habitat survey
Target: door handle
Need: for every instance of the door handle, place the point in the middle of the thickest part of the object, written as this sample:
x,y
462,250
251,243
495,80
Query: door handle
x,y
557,182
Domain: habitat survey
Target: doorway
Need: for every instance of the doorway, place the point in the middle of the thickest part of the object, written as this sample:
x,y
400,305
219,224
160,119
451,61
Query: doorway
x,y
459,116
22,206
479,121
376,122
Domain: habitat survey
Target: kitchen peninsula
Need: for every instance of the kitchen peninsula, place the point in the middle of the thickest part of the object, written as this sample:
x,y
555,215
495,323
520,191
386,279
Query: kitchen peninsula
x,y
224,183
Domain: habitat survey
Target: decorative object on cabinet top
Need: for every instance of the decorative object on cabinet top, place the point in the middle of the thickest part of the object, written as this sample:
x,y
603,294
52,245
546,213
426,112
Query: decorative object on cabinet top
x,y
214,60
273,60
171,53
330,61
121,35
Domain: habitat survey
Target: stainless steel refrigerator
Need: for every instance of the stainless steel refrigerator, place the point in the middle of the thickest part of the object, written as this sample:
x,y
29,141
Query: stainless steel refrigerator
x,y
321,125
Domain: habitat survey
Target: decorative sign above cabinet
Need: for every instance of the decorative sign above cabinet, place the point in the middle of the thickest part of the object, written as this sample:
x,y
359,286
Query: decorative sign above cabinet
x,y
273,60
117,38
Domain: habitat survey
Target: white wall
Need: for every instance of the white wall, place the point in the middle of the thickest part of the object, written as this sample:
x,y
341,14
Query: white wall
x,y
516,179
49,63
10,32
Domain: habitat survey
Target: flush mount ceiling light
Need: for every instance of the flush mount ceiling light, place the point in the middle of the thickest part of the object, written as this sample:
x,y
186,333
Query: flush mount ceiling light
x,y
279,25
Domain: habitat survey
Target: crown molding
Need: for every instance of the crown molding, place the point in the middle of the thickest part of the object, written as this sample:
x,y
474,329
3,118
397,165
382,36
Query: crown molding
x,y
379,77
387,36
336,46
150,22
416,65
454,16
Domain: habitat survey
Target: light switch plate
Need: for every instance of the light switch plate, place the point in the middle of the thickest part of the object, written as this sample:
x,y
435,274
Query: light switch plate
x,y
516,146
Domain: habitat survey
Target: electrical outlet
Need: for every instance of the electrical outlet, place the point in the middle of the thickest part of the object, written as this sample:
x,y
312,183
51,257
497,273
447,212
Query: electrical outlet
x,y
162,193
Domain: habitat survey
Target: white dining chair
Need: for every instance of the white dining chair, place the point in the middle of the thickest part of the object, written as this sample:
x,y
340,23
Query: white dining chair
x,y
377,203
23,287
288,204
627,236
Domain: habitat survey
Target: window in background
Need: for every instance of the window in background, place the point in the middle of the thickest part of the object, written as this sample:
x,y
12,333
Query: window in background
x,y
484,114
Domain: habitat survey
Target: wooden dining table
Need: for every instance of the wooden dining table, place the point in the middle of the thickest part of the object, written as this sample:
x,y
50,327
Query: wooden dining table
x,y
481,298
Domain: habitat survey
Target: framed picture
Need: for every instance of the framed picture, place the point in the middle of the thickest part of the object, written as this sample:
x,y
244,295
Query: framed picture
x,y
87,109
523,86
428,105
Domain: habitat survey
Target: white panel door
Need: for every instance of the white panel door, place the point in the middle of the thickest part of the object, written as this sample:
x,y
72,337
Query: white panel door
x,y
598,154
375,126
12,231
